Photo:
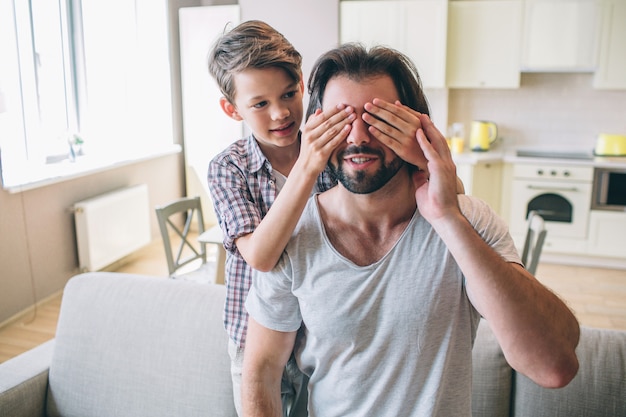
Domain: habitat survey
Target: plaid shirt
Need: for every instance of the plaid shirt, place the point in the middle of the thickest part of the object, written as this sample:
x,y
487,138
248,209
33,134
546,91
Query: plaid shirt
x,y
243,189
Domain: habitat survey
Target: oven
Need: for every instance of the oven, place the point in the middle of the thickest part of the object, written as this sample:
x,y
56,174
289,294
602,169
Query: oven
x,y
560,194
609,189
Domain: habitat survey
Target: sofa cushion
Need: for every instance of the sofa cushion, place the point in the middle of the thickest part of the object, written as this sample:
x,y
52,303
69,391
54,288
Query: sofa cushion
x,y
599,388
140,346
491,376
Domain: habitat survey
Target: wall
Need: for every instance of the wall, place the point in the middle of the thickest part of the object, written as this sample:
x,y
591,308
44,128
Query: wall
x,y
557,111
548,110
37,245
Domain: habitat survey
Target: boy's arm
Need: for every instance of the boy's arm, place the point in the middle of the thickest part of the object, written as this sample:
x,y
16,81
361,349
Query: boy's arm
x,y
323,132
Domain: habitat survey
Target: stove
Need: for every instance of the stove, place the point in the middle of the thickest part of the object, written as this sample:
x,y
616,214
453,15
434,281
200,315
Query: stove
x,y
555,154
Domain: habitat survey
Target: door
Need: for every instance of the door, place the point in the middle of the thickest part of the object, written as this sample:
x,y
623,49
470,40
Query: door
x,y
207,130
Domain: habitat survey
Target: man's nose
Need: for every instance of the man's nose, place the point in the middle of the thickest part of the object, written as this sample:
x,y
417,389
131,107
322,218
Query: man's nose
x,y
359,133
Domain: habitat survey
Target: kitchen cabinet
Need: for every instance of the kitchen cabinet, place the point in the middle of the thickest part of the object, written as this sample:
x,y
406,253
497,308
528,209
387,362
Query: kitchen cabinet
x,y
611,70
606,233
482,180
560,35
415,27
484,44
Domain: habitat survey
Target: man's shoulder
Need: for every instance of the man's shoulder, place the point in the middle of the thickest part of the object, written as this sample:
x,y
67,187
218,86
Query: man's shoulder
x,y
469,203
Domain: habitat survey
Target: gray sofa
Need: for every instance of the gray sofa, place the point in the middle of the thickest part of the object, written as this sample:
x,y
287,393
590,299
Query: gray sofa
x,y
131,345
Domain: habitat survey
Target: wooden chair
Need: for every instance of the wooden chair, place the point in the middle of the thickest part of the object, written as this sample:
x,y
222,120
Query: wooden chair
x,y
186,256
535,238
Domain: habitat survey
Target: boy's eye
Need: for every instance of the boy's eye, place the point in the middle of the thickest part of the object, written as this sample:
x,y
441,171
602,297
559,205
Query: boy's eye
x,y
260,105
290,94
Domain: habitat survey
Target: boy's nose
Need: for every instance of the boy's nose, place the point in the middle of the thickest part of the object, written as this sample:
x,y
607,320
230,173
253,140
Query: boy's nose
x,y
359,133
280,112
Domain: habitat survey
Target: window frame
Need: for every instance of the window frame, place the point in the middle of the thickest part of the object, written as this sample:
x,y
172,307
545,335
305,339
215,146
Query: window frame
x,y
30,158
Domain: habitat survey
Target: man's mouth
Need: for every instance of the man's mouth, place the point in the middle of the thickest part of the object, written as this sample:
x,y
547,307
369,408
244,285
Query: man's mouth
x,y
359,160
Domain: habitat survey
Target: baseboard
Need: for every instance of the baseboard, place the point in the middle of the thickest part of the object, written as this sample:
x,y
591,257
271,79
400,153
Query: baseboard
x,y
22,315
585,261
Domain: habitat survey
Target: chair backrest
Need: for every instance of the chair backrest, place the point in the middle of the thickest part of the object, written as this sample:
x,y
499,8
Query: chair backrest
x,y
177,218
535,238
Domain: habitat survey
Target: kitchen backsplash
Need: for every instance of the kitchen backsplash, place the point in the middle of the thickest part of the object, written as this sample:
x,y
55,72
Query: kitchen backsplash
x,y
549,110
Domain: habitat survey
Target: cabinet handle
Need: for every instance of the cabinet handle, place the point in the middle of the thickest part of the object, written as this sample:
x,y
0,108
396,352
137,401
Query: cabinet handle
x,y
535,187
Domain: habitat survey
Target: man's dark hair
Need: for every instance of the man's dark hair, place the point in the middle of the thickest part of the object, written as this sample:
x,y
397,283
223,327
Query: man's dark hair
x,y
354,61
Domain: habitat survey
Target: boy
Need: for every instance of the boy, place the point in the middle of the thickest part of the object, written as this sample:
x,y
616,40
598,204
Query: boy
x,y
259,74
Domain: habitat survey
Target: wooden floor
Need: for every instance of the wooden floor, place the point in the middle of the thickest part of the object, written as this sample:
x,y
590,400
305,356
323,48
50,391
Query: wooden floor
x,y
597,297
39,325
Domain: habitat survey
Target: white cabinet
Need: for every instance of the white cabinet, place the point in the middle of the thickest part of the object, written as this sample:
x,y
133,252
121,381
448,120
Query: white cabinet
x,y
484,44
611,70
482,180
560,35
415,27
606,233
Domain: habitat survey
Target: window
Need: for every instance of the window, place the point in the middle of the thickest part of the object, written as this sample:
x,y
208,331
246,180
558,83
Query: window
x,y
86,84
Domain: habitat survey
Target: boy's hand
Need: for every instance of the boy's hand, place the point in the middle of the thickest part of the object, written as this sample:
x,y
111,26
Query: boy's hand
x,y
322,133
395,125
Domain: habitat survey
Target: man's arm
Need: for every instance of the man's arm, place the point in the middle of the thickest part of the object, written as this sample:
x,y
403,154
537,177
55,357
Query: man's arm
x,y
322,133
265,356
536,330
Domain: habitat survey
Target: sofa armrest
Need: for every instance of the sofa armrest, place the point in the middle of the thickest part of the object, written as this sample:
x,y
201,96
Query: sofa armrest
x,y
597,390
24,382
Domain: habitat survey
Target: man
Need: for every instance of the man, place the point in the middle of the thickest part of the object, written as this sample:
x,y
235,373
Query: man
x,y
390,271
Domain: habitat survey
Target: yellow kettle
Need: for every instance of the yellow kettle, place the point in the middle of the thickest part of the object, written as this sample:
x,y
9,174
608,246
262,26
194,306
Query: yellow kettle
x,y
482,134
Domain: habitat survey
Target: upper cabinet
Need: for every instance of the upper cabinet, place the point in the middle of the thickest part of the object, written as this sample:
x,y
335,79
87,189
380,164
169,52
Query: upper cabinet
x,y
560,35
484,43
488,43
611,70
417,28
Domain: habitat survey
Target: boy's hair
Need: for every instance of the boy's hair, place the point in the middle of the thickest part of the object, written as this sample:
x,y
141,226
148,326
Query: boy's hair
x,y
251,44
354,61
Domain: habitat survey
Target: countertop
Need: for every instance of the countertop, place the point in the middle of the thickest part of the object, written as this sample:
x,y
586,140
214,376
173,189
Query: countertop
x,y
510,156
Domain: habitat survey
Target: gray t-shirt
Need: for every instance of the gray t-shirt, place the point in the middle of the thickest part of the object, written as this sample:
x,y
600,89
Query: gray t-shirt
x,y
389,339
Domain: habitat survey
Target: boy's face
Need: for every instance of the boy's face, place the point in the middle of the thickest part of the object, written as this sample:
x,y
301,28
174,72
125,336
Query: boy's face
x,y
270,103
361,163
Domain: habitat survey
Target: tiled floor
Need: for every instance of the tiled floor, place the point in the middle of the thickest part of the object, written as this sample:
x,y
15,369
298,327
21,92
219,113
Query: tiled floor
x,y
597,297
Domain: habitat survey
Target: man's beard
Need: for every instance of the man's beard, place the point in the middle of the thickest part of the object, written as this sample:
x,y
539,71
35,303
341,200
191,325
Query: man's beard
x,y
361,182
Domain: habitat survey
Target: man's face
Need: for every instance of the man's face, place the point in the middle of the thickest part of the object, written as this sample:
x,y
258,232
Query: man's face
x,y
362,164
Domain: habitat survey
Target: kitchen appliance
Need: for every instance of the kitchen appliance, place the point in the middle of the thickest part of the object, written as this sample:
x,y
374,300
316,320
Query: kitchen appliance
x,y
482,134
610,145
561,194
609,189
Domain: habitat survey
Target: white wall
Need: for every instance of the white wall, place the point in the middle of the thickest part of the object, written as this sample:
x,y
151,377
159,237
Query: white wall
x,y
557,111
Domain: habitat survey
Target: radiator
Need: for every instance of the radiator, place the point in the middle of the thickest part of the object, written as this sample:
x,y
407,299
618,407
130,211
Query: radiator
x,y
111,226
